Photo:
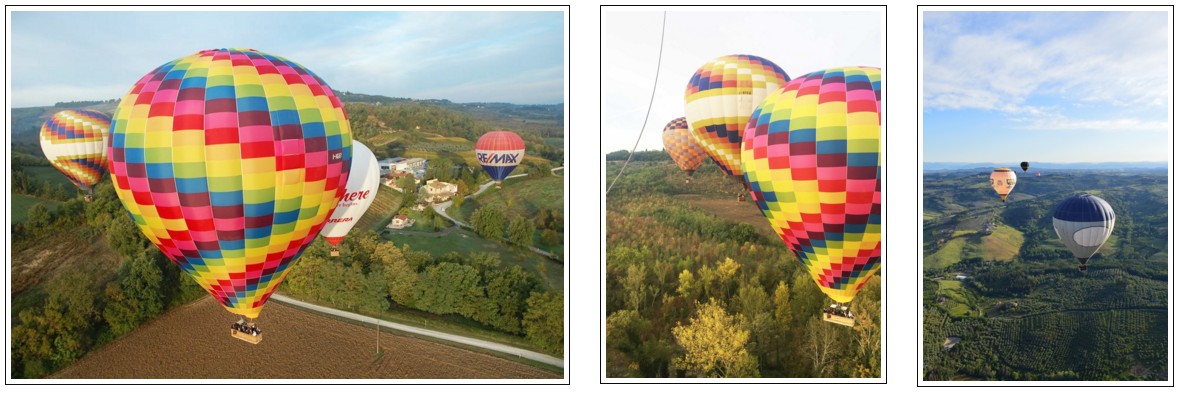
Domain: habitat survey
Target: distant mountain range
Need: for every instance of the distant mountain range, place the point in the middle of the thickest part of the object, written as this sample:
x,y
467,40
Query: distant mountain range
x,y
955,166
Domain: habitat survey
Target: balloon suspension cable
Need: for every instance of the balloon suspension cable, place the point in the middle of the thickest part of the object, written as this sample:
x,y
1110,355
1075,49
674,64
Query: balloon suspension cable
x,y
658,63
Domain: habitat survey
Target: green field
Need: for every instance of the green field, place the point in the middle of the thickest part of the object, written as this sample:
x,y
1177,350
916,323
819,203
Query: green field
x,y
465,242
1002,244
521,196
22,203
51,174
949,254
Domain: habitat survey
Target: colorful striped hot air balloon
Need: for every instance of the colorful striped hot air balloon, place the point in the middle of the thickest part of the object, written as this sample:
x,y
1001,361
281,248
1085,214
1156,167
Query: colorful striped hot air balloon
x,y
363,182
719,99
75,142
682,147
812,158
499,152
230,161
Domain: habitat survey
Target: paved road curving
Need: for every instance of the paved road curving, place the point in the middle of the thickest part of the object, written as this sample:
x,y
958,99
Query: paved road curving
x,y
474,342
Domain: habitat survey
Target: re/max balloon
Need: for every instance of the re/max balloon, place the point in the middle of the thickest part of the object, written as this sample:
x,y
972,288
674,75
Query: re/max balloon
x,y
811,156
681,146
1083,223
719,99
499,152
1003,181
75,142
363,181
230,161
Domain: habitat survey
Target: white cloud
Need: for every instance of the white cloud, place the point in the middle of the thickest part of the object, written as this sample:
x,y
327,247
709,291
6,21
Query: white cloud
x,y
1120,59
1104,125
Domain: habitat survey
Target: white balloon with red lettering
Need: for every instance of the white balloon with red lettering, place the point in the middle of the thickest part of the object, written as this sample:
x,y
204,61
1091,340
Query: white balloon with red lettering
x,y
363,182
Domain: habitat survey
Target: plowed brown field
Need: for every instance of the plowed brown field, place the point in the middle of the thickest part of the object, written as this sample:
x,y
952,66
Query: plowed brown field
x,y
193,342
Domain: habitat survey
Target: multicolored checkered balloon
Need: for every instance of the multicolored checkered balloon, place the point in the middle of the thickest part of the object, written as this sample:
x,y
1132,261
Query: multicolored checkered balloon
x,y
719,99
231,161
812,159
75,142
682,146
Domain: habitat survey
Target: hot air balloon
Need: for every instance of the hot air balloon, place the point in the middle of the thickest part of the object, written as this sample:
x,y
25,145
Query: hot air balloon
x,y
682,147
230,161
1003,181
363,181
811,155
1024,165
75,142
718,101
1083,222
499,152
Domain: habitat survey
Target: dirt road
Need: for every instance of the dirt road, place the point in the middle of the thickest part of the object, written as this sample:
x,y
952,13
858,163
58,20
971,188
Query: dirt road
x,y
193,342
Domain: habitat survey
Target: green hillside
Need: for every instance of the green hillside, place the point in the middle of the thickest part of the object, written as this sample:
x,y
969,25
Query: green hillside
x,y
997,276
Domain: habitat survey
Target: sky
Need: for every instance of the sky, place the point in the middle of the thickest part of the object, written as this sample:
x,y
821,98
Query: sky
x,y
798,41
515,57
1046,86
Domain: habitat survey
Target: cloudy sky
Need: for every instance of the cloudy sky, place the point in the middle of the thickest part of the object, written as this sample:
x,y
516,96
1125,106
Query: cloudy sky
x,y
798,41
515,57
1046,86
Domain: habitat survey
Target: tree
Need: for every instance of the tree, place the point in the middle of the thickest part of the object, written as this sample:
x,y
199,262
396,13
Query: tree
x,y
135,298
507,295
544,322
448,288
714,345
40,220
60,332
488,221
520,231
821,346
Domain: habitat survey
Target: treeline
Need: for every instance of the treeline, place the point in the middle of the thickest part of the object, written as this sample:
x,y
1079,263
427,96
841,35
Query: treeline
x,y
24,184
375,275
690,295
643,155
80,311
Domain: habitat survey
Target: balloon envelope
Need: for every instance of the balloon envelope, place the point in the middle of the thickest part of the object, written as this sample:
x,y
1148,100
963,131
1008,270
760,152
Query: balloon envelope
x,y
499,152
1083,222
1003,181
363,181
719,99
811,156
1024,165
681,146
75,142
230,161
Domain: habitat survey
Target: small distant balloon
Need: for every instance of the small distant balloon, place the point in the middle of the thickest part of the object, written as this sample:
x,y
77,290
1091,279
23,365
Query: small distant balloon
x,y
499,152
682,147
1003,181
74,141
1024,165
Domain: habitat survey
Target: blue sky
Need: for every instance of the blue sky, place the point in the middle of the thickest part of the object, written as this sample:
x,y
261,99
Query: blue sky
x,y
515,57
1046,86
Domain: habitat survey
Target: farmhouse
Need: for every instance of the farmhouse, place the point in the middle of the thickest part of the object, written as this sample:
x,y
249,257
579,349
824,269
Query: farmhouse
x,y
400,222
437,191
